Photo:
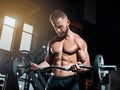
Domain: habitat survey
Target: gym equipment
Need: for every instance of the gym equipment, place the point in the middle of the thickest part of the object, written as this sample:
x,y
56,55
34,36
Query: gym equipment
x,y
21,62
21,65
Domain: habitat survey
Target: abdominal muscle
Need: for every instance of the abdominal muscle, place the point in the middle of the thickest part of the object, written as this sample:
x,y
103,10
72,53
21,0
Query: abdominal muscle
x,y
65,61
61,73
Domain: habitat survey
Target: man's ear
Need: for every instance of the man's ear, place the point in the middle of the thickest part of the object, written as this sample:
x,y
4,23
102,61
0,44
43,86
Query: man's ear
x,y
68,21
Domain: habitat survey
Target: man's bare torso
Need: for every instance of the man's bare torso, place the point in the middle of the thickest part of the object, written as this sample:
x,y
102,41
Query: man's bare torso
x,y
65,54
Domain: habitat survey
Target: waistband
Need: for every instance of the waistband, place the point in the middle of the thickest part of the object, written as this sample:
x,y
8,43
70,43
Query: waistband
x,y
64,77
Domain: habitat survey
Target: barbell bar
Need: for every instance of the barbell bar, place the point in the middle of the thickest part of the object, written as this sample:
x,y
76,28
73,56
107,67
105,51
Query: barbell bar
x,y
98,64
22,64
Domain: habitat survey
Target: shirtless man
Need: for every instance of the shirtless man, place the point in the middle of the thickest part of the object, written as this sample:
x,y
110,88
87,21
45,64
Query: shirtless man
x,y
66,49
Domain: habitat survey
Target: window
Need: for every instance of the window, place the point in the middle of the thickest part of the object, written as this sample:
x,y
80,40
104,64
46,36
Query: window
x,y
26,38
7,33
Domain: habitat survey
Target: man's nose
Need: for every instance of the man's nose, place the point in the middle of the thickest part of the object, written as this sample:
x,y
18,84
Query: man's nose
x,y
59,30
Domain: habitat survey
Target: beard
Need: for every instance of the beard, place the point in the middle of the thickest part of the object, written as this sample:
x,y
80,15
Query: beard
x,y
63,33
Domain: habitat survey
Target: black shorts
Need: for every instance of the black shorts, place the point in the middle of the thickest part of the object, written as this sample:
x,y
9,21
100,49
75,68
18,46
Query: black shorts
x,y
62,83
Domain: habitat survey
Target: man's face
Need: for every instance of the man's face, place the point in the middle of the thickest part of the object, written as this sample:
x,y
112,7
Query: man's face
x,y
61,27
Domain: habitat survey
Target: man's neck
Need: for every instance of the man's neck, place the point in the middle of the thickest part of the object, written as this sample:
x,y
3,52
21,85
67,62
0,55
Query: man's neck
x,y
69,34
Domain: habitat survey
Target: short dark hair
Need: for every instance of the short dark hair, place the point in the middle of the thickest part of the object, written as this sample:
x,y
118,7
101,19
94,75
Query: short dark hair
x,y
57,14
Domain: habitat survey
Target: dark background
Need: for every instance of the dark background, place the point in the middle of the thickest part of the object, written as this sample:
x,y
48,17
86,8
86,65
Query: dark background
x,y
96,21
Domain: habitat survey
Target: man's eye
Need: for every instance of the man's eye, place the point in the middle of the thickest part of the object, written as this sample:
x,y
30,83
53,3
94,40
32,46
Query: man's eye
x,y
60,27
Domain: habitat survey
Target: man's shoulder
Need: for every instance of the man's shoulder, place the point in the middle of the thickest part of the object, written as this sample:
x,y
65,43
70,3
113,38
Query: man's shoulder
x,y
77,36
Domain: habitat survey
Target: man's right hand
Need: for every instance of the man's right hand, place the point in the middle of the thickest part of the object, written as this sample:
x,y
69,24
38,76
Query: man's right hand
x,y
34,66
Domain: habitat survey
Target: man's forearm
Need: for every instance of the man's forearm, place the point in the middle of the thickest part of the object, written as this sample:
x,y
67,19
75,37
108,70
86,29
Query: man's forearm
x,y
44,64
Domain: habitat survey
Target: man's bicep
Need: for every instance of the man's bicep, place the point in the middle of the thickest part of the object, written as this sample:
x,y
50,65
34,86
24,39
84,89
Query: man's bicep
x,y
83,51
49,58
81,56
48,55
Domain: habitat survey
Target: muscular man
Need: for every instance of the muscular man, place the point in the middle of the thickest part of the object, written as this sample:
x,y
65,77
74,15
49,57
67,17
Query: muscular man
x,y
66,49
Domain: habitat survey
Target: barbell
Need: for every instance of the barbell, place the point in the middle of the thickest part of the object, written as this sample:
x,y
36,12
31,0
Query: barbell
x,y
20,62
21,65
